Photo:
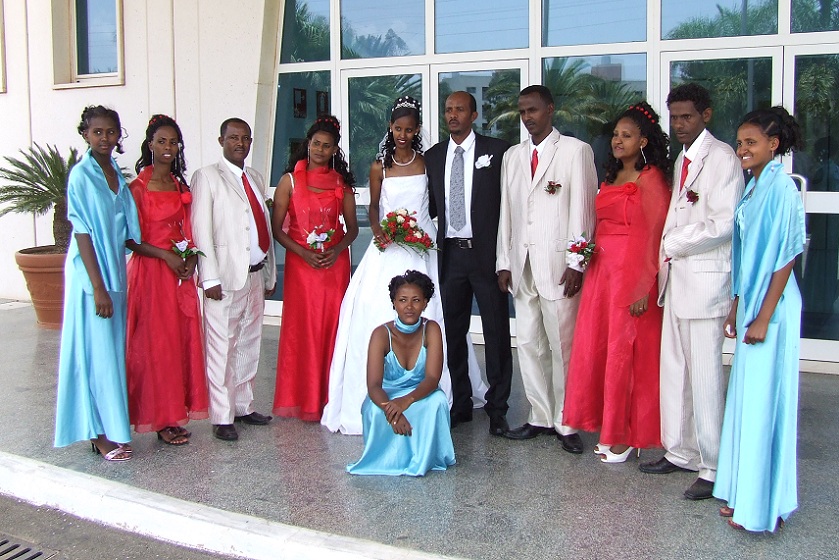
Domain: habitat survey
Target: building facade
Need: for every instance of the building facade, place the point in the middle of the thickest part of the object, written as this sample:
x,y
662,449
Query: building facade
x,y
280,63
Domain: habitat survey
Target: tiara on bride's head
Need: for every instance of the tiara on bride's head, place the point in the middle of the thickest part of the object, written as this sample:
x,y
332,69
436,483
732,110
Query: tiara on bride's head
x,y
408,102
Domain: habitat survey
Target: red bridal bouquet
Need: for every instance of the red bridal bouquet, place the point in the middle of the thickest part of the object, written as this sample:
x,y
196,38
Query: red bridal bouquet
x,y
401,227
580,251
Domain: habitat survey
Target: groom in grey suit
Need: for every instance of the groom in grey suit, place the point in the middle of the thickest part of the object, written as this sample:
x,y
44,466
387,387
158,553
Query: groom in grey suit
x,y
695,291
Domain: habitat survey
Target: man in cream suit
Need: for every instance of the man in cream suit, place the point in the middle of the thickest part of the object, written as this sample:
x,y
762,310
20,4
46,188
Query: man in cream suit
x,y
548,185
695,290
232,228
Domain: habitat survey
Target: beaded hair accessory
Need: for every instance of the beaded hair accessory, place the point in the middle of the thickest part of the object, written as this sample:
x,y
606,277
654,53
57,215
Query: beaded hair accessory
x,y
157,118
330,120
641,109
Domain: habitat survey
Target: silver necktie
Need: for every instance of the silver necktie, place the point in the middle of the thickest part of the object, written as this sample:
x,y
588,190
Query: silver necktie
x,y
457,196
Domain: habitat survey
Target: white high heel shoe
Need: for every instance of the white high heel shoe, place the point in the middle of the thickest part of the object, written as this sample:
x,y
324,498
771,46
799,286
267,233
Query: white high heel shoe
x,y
609,457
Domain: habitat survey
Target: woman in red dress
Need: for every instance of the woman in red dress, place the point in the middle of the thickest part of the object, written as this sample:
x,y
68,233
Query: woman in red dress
x,y
613,377
316,193
165,361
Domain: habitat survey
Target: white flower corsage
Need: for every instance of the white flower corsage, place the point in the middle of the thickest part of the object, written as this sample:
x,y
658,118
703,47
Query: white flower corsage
x,y
483,161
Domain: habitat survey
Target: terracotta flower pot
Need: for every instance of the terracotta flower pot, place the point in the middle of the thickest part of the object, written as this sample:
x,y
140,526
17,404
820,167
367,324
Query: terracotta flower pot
x,y
43,269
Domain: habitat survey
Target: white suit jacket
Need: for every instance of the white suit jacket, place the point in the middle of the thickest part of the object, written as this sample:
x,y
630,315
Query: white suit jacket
x,y
536,223
697,236
221,226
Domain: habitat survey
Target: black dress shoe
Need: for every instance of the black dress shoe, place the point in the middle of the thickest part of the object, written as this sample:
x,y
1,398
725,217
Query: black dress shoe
x,y
528,431
662,466
227,432
460,418
254,419
571,443
498,425
700,490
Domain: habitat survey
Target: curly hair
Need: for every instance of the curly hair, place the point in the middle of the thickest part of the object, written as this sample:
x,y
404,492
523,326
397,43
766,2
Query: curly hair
x,y
146,159
91,112
413,277
657,150
405,106
692,92
777,122
330,125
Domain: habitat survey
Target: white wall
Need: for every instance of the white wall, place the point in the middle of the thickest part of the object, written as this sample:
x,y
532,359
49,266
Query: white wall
x,y
196,61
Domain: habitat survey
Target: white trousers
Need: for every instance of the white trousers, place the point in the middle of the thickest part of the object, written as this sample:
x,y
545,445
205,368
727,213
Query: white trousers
x,y
233,336
693,387
544,332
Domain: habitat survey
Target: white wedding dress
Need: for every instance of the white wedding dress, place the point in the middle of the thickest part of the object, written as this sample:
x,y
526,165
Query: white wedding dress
x,y
367,305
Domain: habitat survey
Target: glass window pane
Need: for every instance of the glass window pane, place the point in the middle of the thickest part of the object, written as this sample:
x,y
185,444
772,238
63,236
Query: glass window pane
x,y
717,18
815,15
96,36
570,22
590,92
371,28
737,86
305,35
498,24
496,93
816,78
298,97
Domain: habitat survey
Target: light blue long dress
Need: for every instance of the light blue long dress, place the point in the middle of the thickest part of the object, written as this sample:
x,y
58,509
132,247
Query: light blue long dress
x,y
429,447
756,473
92,396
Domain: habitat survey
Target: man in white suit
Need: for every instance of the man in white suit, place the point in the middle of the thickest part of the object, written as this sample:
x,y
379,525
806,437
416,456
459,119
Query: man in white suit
x,y
232,228
695,291
548,185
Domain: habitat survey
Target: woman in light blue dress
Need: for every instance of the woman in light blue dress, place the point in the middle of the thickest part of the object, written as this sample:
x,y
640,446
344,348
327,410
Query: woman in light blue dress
x,y
92,400
405,416
756,475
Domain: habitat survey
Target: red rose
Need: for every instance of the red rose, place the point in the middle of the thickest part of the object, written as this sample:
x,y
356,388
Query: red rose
x,y
186,197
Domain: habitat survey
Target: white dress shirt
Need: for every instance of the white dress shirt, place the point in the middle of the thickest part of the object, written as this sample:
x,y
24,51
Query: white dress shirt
x,y
468,146
691,152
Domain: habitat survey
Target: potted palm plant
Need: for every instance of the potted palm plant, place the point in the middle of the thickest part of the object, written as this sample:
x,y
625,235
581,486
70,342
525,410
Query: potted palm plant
x,y
36,183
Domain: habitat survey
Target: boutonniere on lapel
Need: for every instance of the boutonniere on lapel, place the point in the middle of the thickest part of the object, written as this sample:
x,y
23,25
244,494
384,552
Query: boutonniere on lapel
x,y
552,187
483,161
692,196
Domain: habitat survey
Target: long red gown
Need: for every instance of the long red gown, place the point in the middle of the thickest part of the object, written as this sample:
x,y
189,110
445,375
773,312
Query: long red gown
x,y
167,384
613,377
311,297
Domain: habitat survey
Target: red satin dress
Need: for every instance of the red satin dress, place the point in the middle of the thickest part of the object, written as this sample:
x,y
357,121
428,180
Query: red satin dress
x,y
311,297
167,385
613,377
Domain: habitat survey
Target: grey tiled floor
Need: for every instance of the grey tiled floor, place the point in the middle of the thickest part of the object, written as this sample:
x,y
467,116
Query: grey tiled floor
x,y
503,499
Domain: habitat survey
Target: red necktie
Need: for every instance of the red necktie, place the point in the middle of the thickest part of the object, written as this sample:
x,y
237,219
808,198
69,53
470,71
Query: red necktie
x,y
534,163
685,163
258,215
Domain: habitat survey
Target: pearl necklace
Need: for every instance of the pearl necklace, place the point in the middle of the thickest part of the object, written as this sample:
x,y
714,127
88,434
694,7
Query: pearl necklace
x,y
407,163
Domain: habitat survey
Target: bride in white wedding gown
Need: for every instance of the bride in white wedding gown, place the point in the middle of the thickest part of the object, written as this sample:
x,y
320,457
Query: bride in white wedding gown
x,y
397,180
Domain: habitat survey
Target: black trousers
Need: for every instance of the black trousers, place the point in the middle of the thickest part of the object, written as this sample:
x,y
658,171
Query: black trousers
x,y
462,278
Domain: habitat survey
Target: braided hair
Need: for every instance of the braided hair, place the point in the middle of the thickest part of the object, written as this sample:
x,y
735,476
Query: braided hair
x,y
657,149
330,125
405,106
777,122
179,164
91,112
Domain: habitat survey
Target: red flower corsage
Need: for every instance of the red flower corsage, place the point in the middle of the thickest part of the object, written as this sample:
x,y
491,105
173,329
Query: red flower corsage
x,y
186,197
630,188
692,196
552,187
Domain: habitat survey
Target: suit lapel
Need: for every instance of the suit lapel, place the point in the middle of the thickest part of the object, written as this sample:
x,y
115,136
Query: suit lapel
x,y
549,150
478,152
696,166
231,181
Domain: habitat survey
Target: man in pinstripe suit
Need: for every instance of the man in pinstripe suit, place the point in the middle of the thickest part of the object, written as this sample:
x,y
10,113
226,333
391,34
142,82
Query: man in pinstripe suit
x,y
548,185
695,290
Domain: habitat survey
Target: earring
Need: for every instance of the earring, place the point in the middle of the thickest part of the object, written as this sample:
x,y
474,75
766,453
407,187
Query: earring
x,y
308,154
152,157
333,160
643,156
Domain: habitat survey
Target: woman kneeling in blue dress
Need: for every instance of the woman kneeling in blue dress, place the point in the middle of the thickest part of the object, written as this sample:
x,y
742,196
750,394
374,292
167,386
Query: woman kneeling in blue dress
x,y
405,415
756,474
